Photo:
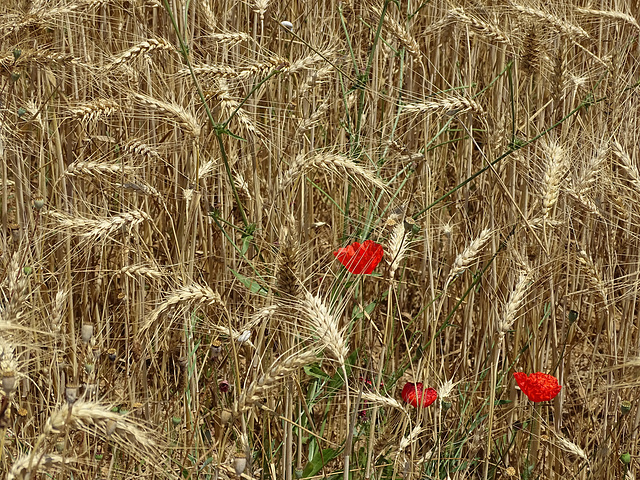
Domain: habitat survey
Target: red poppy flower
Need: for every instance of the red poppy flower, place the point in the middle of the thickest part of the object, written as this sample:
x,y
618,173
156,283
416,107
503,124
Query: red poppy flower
x,y
415,394
539,387
360,258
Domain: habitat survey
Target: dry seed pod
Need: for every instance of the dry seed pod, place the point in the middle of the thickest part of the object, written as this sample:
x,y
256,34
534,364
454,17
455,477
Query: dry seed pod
x,y
239,463
182,363
86,332
225,417
111,427
71,394
8,382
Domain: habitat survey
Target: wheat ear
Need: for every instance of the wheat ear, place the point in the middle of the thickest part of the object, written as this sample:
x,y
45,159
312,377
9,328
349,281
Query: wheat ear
x,y
555,172
383,401
593,276
469,255
86,112
96,229
513,305
628,166
444,105
612,14
280,369
142,48
332,163
96,169
483,28
574,32
568,446
26,466
193,294
325,326
95,418
397,248
186,120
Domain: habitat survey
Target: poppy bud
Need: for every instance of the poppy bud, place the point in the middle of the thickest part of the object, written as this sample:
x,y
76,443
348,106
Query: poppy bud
x,y
625,458
625,407
38,203
573,316
216,349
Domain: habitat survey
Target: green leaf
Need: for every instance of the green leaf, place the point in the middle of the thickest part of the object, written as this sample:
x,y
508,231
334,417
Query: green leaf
x,y
316,463
316,372
246,243
250,283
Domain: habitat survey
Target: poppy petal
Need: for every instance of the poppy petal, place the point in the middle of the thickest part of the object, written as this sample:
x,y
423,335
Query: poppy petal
x,y
539,386
415,394
360,258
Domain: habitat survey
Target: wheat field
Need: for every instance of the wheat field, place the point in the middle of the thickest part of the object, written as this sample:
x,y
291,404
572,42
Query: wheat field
x,y
176,176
